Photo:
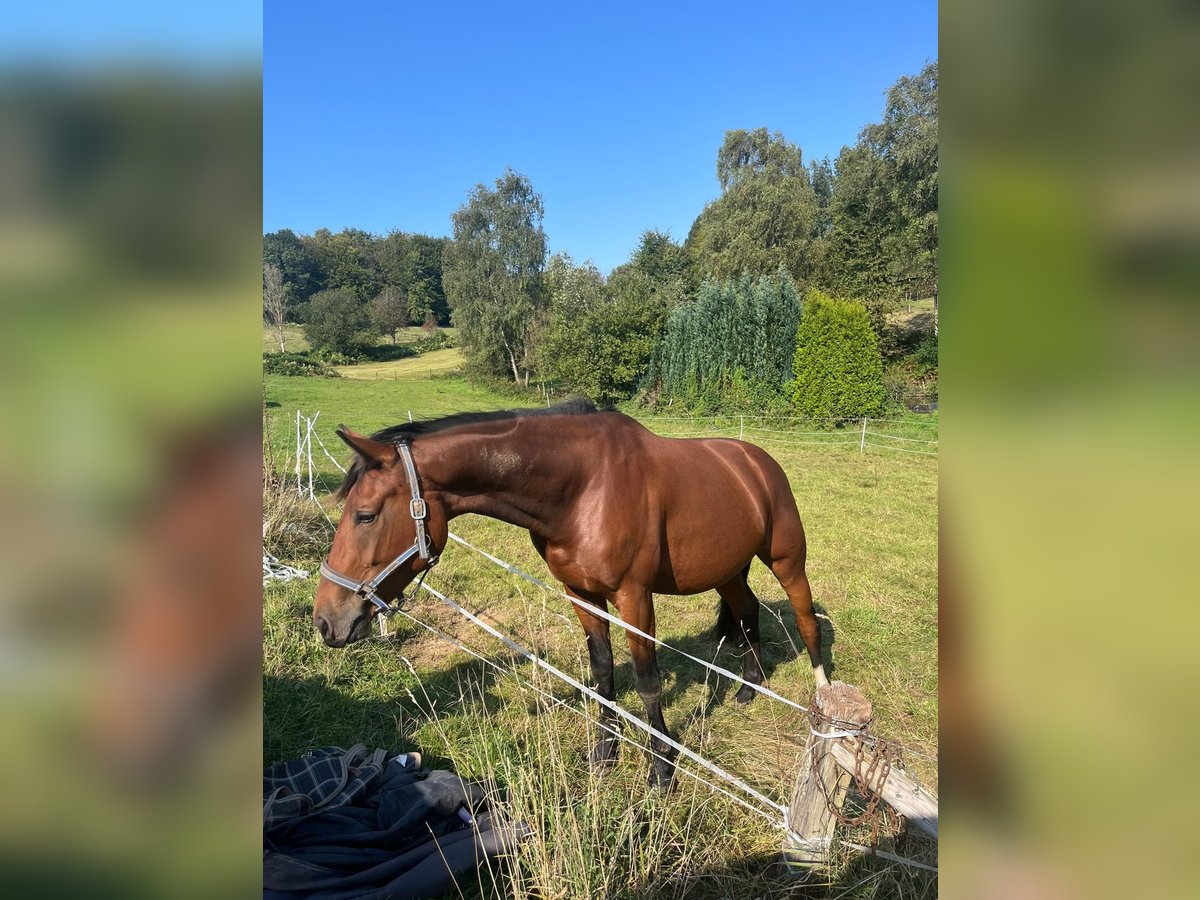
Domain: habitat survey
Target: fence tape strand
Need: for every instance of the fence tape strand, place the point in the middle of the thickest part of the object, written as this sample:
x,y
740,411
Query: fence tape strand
x,y
616,620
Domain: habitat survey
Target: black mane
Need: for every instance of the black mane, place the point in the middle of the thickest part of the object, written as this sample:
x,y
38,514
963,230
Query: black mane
x,y
411,431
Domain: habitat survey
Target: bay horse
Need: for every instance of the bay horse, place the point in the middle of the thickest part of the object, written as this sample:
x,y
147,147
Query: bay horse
x,y
617,512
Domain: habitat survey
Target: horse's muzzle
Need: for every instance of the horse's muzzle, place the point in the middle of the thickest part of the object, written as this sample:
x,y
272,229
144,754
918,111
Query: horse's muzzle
x,y
360,629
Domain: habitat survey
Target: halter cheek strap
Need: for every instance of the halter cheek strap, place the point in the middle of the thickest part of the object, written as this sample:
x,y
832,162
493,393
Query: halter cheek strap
x,y
419,510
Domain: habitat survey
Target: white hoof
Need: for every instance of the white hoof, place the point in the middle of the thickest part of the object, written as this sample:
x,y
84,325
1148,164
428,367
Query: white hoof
x,y
819,675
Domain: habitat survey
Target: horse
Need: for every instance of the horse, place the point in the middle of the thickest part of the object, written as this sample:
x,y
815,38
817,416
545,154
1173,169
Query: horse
x,y
617,513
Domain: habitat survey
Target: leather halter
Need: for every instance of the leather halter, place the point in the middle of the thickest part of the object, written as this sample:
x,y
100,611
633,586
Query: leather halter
x,y
419,510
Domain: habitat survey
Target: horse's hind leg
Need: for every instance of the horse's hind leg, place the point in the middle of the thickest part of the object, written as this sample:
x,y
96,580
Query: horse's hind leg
x,y
742,605
786,560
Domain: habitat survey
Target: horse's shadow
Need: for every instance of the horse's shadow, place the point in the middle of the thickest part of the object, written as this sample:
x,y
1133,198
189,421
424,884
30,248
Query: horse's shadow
x,y
781,644
302,713
317,711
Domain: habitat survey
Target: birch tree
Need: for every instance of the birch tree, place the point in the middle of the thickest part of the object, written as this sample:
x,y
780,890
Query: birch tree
x,y
493,275
274,301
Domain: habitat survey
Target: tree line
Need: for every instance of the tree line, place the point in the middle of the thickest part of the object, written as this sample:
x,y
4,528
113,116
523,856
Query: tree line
x,y
724,305
406,267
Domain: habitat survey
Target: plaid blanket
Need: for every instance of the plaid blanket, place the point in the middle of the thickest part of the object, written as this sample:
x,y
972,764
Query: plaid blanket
x,y
320,779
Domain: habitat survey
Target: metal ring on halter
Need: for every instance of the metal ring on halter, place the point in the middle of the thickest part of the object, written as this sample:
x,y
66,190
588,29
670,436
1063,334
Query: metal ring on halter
x,y
418,509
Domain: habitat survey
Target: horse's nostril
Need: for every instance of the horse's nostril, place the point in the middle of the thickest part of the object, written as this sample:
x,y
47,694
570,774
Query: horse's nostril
x,y
323,627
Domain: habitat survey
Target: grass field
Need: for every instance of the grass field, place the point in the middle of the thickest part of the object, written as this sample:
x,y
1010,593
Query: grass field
x,y
427,365
294,340
914,315
871,520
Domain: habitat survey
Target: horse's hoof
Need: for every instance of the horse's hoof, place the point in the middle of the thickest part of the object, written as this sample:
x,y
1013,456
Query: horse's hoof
x,y
745,695
662,779
602,757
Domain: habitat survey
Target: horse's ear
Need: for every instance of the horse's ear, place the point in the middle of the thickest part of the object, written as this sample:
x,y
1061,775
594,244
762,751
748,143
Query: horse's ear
x,y
370,450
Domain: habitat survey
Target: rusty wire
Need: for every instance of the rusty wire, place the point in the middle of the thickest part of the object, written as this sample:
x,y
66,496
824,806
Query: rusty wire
x,y
869,777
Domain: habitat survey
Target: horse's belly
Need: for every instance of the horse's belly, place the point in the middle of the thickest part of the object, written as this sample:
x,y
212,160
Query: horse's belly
x,y
711,533
693,563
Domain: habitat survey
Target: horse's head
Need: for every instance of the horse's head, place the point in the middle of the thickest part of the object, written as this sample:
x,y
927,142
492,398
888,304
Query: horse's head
x,y
381,526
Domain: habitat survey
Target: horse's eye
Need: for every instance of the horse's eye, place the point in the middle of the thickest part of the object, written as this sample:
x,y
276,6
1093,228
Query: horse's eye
x,y
364,518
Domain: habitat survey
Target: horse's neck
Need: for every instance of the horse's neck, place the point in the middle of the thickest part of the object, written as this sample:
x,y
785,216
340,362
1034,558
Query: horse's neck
x,y
518,477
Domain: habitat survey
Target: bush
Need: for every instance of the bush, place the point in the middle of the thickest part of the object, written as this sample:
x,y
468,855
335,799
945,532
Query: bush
x,y
296,364
336,357
438,340
926,355
839,371
337,320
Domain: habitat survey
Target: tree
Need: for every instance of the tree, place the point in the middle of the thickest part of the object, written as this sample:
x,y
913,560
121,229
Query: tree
x,y
300,269
337,320
413,263
595,341
348,260
883,238
766,216
862,238
274,301
744,328
660,258
745,155
907,139
389,311
493,274
839,372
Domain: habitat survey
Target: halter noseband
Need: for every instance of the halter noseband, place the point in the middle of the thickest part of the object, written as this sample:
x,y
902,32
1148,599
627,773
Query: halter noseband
x,y
419,510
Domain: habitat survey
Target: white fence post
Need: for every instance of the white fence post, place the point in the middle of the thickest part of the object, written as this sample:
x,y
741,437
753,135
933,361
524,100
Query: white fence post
x,y
308,436
741,428
299,490
862,444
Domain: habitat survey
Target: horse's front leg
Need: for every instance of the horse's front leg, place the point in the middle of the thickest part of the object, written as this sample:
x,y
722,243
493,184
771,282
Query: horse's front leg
x,y
637,608
604,754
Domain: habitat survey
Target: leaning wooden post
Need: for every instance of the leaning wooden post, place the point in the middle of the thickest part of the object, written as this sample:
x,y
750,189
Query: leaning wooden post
x,y
838,709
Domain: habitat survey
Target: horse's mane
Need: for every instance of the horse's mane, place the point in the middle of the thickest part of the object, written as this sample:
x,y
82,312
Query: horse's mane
x,y
412,431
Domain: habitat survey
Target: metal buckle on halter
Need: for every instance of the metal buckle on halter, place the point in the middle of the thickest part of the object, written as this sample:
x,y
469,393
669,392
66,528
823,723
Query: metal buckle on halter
x,y
384,608
417,508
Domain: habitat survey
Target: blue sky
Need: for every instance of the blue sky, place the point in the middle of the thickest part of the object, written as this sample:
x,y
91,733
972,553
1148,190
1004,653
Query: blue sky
x,y
385,115
81,33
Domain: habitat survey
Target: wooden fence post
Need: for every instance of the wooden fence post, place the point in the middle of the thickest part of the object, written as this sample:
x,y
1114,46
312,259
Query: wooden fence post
x,y
841,707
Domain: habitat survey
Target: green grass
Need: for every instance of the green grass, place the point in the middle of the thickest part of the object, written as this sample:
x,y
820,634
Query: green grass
x,y
363,405
872,526
294,339
427,365
914,315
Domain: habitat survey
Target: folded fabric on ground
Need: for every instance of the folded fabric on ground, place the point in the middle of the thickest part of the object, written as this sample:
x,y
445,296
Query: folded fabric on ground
x,y
351,823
